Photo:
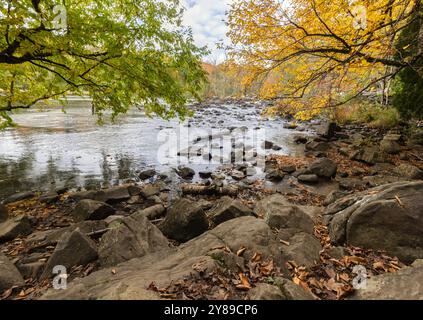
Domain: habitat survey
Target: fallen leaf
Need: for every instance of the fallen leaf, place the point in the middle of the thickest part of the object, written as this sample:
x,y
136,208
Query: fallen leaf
x,y
256,257
240,251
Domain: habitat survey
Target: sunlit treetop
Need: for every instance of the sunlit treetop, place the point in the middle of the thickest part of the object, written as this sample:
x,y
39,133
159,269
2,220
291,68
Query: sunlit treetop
x,y
122,53
313,54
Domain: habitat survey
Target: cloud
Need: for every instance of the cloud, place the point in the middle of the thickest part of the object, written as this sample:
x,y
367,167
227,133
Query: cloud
x,y
206,19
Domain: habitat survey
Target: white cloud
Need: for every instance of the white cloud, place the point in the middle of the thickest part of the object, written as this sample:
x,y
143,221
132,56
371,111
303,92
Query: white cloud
x,y
206,19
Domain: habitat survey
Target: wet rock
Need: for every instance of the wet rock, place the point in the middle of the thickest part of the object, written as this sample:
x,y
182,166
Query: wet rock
x,y
49,198
409,171
19,197
147,174
14,227
237,175
73,249
288,168
116,194
405,284
4,213
265,291
129,238
205,174
300,139
98,195
185,220
327,129
185,172
291,291
92,210
9,275
324,168
149,190
308,178
388,217
226,209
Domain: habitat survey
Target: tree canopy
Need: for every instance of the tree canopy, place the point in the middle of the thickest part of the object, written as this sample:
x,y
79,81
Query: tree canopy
x,y
121,53
313,54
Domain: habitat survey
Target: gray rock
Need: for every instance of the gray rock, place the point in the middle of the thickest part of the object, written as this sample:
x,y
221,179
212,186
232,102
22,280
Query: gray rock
x,y
31,270
152,212
116,194
14,227
405,284
288,216
417,138
226,208
291,291
303,248
129,238
147,174
92,210
49,198
288,168
237,175
265,291
388,217
390,145
98,195
205,174
327,129
300,139
370,155
73,249
308,178
4,213
149,190
185,172
19,197
9,275
324,168
409,171
185,220
317,146
274,175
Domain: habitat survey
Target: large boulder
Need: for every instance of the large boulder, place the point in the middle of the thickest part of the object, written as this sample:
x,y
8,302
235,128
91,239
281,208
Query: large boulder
x,y
185,172
9,274
132,279
388,217
389,144
405,284
265,291
184,220
73,249
226,208
92,210
302,247
327,129
129,238
147,174
323,168
14,227
4,214
19,197
116,194
409,171
369,155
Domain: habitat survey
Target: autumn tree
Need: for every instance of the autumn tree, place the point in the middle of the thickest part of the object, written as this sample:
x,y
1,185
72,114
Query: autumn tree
x,y
321,53
121,53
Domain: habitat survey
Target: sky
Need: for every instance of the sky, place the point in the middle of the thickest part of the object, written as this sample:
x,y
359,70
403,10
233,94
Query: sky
x,y
206,19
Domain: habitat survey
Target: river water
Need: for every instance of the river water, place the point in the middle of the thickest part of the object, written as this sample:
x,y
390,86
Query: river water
x,y
50,149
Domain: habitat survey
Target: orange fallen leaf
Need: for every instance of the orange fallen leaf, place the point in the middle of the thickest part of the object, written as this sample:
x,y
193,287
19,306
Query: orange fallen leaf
x,y
240,251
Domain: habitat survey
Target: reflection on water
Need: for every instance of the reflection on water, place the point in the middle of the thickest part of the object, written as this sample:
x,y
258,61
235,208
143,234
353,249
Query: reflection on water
x,y
51,149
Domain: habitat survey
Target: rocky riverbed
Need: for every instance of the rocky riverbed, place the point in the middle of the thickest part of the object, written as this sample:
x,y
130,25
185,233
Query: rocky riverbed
x,y
343,220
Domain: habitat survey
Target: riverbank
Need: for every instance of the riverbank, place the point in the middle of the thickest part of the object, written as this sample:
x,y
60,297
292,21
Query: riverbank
x,y
346,214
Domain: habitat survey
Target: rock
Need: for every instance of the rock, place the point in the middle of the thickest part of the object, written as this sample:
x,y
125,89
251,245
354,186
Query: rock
x,y
149,190
92,210
185,220
300,139
317,146
288,216
49,198
185,173
14,227
116,194
308,178
31,270
388,217
73,249
4,213
291,291
303,248
226,208
274,175
9,275
288,168
336,252
152,212
205,174
290,125
19,197
324,168
370,155
405,284
327,130
129,238
265,291
98,195
409,171
147,174
333,196
351,183
237,175
390,145
132,278
268,204
416,138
